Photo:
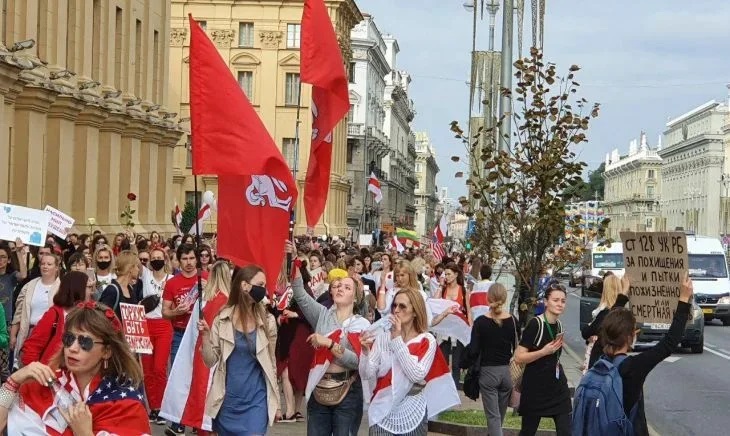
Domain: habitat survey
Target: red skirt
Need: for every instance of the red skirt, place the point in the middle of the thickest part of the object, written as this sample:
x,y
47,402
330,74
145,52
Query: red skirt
x,y
298,357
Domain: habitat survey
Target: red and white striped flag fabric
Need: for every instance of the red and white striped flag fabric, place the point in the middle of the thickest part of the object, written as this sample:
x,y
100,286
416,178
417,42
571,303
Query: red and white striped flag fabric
x,y
455,325
440,390
437,240
323,357
374,188
190,378
395,244
203,215
478,299
177,218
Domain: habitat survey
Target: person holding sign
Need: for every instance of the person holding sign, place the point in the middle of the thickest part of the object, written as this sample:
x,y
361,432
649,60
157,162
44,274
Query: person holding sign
x,y
545,390
122,288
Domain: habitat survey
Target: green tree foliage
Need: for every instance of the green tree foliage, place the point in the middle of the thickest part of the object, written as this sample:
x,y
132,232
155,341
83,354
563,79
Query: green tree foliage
x,y
519,201
188,217
588,191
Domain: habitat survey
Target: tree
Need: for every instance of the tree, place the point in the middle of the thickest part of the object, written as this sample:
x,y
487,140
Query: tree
x,y
189,214
588,191
520,198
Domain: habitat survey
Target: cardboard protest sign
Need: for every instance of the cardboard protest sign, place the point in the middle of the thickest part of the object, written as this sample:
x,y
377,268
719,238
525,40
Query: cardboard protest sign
x,y
59,222
134,323
318,283
365,240
655,263
30,225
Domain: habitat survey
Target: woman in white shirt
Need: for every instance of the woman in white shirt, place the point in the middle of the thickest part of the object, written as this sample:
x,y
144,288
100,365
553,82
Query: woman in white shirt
x,y
404,369
405,278
34,300
103,263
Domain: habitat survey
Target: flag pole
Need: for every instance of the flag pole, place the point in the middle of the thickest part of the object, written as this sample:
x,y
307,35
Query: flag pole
x,y
196,202
295,164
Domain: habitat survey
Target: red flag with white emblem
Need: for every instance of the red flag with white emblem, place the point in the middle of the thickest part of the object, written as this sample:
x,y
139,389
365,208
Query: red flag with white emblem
x,y
322,67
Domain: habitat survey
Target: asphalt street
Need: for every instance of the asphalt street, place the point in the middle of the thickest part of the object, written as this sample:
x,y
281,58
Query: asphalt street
x,y
687,394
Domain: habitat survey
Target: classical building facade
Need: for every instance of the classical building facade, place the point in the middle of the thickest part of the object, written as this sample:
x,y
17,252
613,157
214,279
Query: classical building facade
x,y
693,169
633,184
84,117
367,143
260,40
399,163
427,198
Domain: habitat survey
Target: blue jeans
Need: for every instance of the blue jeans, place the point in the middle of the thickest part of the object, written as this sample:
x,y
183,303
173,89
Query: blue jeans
x,y
340,420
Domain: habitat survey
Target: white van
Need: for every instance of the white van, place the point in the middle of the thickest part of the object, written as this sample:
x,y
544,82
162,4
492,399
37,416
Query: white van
x,y
604,259
708,271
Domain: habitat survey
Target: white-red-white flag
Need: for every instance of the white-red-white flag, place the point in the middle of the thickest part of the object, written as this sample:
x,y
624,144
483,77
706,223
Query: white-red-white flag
x,y
455,325
437,239
203,215
177,218
374,188
395,244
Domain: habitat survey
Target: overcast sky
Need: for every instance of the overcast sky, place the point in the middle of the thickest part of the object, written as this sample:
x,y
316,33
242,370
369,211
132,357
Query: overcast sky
x,y
644,61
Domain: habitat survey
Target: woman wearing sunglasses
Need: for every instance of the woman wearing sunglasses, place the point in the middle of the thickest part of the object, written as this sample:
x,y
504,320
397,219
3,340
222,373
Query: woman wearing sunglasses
x,y
90,386
45,339
544,385
409,374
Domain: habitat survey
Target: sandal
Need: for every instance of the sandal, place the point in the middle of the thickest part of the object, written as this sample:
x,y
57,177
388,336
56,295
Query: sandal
x,y
285,419
299,417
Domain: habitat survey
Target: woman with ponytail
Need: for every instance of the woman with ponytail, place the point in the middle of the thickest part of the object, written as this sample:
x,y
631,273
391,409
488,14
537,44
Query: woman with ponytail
x,y
493,341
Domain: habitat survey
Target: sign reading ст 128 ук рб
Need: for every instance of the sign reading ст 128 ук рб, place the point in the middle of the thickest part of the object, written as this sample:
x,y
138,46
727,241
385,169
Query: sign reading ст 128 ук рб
x,y
655,264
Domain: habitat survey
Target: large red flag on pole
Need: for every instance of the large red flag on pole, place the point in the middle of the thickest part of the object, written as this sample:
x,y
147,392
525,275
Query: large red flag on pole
x,y
256,190
322,67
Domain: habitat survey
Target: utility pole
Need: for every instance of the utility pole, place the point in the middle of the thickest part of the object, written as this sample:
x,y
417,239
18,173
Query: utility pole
x,y
505,107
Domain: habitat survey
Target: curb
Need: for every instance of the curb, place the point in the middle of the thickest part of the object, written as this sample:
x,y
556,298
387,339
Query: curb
x,y
452,429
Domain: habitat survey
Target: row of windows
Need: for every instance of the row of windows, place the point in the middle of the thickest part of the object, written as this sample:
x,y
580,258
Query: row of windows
x,y
246,34
291,87
287,150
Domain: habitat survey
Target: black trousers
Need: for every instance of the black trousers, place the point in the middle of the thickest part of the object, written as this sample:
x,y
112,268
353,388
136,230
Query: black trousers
x,y
531,422
448,348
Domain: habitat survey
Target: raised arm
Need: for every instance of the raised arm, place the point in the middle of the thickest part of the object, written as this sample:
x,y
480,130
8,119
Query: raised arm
x,y
308,305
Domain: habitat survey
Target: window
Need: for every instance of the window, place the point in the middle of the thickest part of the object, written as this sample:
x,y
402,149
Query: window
x,y
245,34
350,150
190,197
351,113
287,150
351,72
245,81
203,24
419,167
293,35
291,91
650,174
188,157
650,191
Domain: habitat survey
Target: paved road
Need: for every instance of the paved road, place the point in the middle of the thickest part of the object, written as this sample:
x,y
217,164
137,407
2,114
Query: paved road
x,y
687,394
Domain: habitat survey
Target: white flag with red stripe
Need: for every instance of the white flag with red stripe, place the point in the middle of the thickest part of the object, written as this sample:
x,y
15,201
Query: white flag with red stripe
x,y
437,239
478,298
455,325
352,327
203,215
395,244
177,218
390,389
374,188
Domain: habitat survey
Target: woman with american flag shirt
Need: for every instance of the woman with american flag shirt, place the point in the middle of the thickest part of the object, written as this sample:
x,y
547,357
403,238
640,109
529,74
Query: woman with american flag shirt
x,y
95,370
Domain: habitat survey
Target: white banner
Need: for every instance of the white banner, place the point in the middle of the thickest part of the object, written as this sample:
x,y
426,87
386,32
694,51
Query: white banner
x,y
30,225
59,222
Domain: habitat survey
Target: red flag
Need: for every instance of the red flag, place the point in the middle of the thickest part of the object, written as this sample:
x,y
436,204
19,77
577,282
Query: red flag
x,y
256,190
322,67
224,136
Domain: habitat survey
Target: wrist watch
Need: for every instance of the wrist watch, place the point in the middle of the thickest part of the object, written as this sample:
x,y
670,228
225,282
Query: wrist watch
x,y
332,344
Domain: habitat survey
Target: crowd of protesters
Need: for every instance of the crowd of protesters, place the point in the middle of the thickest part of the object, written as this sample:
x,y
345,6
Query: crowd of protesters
x,y
346,329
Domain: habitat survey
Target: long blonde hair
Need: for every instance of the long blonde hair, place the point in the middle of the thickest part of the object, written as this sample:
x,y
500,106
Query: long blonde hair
x,y
126,260
406,267
611,287
497,297
219,280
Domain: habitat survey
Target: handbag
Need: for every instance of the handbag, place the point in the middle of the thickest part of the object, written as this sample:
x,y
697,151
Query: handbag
x,y
150,303
471,379
330,392
516,370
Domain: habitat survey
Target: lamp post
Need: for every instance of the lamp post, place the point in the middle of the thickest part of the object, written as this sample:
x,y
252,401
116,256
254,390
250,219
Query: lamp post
x,y
505,107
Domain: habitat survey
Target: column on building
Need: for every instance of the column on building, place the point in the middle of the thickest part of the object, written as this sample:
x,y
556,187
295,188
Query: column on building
x,y
110,201
149,176
86,150
8,91
130,168
60,157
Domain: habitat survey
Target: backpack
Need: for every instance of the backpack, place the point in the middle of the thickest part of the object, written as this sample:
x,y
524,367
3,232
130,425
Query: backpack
x,y
598,406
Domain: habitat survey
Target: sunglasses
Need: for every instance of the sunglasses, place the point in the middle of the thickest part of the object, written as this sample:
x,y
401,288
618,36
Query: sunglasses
x,y
143,260
400,306
557,287
204,255
85,342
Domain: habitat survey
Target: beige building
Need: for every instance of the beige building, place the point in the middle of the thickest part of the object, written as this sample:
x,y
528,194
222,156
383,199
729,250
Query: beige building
x,y
260,40
632,190
426,190
83,117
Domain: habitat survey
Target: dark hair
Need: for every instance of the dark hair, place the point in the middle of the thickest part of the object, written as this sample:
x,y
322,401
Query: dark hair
x,y
75,258
617,330
459,274
142,245
184,249
555,287
71,290
241,301
485,272
97,238
350,261
191,237
83,238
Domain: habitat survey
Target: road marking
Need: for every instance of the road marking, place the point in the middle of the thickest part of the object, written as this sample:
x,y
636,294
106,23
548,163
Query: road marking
x,y
707,344
724,356
672,359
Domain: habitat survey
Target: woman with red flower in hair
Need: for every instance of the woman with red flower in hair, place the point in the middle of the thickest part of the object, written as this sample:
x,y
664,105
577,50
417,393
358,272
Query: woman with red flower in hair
x,y
89,387
45,339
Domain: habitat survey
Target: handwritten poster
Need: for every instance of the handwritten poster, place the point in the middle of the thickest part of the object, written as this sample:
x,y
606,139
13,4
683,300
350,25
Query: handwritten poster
x,y
134,324
655,263
30,225
58,222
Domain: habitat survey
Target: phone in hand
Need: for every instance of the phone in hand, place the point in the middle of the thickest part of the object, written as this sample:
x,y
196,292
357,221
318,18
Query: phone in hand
x,y
559,336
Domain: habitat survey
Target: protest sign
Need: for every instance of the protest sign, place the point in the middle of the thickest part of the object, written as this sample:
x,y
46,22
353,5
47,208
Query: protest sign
x,y
655,263
30,225
318,282
365,240
134,323
58,222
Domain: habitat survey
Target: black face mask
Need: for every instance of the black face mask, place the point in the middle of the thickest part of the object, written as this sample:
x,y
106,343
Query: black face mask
x,y
257,293
157,264
104,264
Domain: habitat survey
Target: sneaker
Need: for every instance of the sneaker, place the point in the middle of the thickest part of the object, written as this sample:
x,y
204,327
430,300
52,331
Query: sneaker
x,y
174,429
160,420
154,416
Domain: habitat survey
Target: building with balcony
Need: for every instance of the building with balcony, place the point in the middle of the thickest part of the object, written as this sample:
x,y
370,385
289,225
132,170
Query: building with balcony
x,y
693,169
85,116
260,40
367,144
427,198
633,184
398,206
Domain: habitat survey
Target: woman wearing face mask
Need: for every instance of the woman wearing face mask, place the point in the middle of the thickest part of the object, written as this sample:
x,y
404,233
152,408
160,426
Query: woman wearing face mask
x,y
544,385
45,340
33,301
335,365
152,282
400,366
242,337
103,264
122,289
